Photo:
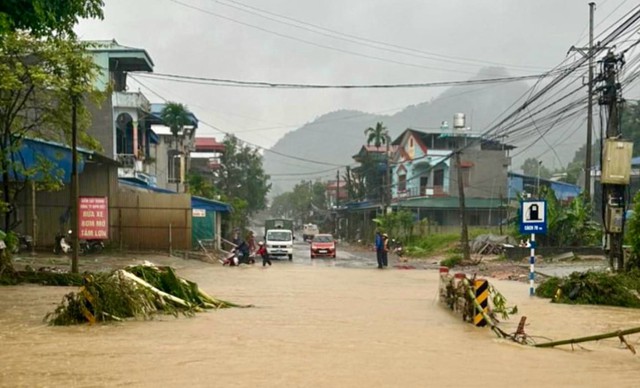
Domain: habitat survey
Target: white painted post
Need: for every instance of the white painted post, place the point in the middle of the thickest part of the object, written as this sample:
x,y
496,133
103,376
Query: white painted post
x,y
532,263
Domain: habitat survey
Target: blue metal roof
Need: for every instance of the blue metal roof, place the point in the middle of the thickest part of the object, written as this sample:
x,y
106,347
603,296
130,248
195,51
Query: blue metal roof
x,y
209,204
196,202
33,152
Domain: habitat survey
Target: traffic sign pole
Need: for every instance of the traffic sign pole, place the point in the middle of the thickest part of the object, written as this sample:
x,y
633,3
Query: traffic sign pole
x,y
532,263
533,220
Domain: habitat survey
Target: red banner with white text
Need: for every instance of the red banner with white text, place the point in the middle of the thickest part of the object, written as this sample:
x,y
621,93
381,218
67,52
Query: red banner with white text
x,y
94,218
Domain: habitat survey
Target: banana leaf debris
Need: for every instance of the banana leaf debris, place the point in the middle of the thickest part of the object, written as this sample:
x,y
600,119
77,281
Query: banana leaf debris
x,y
597,288
137,292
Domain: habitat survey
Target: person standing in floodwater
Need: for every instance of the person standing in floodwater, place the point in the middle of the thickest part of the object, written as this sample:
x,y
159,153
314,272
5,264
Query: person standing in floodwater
x,y
379,248
262,251
385,250
251,241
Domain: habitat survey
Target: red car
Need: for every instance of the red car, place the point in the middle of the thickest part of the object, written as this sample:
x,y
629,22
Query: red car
x,y
323,245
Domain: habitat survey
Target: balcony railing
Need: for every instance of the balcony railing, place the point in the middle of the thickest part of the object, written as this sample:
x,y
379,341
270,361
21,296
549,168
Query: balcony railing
x,y
423,191
132,167
134,100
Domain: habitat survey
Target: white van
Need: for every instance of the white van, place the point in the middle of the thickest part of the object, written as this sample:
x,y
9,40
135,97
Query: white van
x,y
279,243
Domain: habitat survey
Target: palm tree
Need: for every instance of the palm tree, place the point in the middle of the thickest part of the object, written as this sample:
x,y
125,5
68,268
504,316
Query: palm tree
x,y
377,135
175,116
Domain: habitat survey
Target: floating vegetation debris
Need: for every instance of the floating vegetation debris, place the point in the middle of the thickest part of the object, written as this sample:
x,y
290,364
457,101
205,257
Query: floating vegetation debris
x,y
134,292
598,288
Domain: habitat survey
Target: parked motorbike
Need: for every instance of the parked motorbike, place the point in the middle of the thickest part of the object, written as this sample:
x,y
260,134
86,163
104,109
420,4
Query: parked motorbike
x,y
398,249
25,243
62,243
91,246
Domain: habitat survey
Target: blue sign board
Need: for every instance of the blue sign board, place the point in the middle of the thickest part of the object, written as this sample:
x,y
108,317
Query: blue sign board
x,y
533,217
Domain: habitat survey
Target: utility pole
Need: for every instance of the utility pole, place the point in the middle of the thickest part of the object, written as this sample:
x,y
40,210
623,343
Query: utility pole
x,y
464,233
388,172
588,162
588,53
75,186
616,161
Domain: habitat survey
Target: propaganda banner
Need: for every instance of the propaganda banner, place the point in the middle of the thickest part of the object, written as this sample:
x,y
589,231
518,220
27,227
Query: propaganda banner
x,y
94,218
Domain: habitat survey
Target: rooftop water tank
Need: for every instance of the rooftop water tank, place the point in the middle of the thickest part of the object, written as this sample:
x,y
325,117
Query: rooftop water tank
x,y
458,121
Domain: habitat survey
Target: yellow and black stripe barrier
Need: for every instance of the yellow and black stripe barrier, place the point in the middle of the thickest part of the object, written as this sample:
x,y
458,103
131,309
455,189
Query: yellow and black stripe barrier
x,y
481,290
470,300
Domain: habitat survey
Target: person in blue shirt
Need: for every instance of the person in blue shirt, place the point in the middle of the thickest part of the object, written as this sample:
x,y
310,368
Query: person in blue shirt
x,y
379,248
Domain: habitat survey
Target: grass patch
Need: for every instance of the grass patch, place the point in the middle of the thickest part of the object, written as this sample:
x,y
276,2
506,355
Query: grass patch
x,y
451,261
433,243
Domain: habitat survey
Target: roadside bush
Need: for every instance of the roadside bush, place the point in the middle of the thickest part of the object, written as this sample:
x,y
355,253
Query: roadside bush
x,y
597,288
632,236
451,261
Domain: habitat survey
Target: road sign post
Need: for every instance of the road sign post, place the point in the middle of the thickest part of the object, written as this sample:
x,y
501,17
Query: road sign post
x,y
533,220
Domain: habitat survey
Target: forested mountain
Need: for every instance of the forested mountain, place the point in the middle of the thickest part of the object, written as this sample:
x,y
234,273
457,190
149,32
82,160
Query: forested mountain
x,y
335,137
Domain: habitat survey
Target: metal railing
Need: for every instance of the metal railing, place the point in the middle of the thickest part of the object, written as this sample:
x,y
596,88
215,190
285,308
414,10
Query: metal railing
x,y
423,191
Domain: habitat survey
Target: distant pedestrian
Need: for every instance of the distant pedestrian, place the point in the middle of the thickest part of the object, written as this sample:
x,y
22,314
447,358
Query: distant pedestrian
x,y
379,243
251,241
262,251
385,250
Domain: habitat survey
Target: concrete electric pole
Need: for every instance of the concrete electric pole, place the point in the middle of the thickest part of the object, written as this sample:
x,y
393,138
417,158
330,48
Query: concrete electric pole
x,y
616,161
337,202
588,53
388,173
464,230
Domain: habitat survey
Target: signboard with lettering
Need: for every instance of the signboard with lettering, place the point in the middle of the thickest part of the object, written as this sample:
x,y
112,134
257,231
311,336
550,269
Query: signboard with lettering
x,y
94,218
199,213
533,217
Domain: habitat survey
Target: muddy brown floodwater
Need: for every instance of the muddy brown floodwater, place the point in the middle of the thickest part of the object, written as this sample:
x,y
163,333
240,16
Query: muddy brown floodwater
x,y
312,326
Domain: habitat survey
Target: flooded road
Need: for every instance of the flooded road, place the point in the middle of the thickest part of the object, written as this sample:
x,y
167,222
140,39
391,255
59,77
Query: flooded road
x,y
313,326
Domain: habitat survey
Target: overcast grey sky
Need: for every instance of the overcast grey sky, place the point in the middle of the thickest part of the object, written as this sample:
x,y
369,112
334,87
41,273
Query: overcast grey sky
x,y
528,36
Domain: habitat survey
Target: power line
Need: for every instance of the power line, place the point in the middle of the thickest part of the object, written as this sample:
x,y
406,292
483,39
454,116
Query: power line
x,y
276,85
355,53
360,40
247,142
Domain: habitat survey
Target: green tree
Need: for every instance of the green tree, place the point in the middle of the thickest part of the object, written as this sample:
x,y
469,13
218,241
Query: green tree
x,y
376,135
175,116
633,234
398,225
355,186
370,177
281,206
40,80
568,224
43,18
630,124
201,187
242,175
575,168
530,168
304,203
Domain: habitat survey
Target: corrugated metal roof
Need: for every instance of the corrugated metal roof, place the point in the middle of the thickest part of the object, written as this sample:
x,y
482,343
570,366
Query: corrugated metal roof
x,y
58,154
449,203
196,202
